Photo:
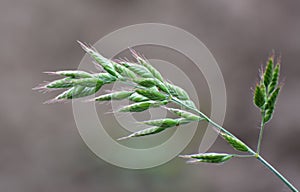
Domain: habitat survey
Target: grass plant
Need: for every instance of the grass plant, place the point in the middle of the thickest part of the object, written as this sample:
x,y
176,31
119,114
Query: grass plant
x,y
150,89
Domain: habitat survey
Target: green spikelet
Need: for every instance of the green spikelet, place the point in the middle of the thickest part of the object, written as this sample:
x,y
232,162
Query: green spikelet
x,y
162,87
86,82
72,74
114,96
208,157
146,64
166,122
235,143
259,96
185,114
151,94
149,131
135,97
189,103
77,92
270,106
268,72
102,61
138,69
275,78
146,82
60,84
70,82
105,77
124,71
177,92
142,106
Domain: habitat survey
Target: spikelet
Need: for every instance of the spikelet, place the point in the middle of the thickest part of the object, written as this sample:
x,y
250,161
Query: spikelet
x,y
275,78
152,94
185,114
267,77
105,77
166,122
259,98
207,157
149,131
177,92
138,69
146,64
72,74
104,62
114,96
270,106
235,143
141,106
135,97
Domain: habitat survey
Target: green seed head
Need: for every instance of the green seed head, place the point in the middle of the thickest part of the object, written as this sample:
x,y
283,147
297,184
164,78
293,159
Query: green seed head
x,y
72,74
235,143
135,97
146,82
138,69
152,94
141,106
123,71
146,64
177,92
102,61
114,96
185,114
86,82
259,96
76,92
69,82
166,123
149,131
270,106
275,79
105,77
208,157
268,72
60,84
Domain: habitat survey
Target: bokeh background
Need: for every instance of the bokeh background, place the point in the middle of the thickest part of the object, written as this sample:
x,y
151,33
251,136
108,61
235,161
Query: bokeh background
x,y
40,147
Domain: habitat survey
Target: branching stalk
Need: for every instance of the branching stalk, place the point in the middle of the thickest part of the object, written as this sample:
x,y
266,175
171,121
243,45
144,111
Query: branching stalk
x,y
149,89
261,131
251,151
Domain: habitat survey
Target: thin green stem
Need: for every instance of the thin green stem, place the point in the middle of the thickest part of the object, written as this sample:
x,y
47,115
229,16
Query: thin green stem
x,y
173,99
251,151
282,178
243,156
261,131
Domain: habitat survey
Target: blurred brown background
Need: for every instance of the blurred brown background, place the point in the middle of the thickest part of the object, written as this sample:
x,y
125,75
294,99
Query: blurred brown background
x,y
40,148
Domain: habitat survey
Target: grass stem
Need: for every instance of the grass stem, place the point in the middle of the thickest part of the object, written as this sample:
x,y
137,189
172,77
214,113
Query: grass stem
x,y
251,151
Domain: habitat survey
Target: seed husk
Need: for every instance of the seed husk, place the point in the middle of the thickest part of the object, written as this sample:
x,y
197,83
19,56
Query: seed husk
x,y
185,114
152,94
105,77
70,82
148,131
166,122
138,69
208,157
135,97
114,96
146,64
146,82
72,73
177,92
102,61
235,143
141,106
